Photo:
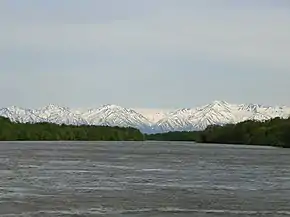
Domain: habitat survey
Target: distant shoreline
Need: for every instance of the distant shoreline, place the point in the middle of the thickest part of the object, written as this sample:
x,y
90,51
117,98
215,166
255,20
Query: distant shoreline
x,y
146,142
10,131
274,132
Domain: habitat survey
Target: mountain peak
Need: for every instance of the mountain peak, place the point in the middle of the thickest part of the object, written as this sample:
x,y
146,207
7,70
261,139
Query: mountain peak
x,y
219,103
111,106
52,107
14,108
218,112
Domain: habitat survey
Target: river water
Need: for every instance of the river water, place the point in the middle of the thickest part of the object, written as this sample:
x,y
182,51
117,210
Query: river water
x,y
142,179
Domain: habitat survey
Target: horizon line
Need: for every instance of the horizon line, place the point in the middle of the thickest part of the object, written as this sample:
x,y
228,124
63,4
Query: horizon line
x,y
140,108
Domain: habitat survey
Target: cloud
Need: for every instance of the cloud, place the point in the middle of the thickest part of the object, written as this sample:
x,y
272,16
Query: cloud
x,y
125,52
244,37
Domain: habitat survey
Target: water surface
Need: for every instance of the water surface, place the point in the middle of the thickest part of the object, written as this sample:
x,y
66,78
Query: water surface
x,y
142,179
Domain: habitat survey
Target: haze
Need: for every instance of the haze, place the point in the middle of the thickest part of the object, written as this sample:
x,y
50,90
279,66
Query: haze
x,y
144,54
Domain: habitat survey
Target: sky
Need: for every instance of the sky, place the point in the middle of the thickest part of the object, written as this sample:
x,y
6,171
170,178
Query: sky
x,y
144,53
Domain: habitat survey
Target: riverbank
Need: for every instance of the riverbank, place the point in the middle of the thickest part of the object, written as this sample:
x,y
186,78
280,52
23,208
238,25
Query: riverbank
x,y
10,131
274,132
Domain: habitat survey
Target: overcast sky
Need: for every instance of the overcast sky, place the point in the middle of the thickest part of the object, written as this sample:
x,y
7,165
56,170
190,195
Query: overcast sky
x,y
144,53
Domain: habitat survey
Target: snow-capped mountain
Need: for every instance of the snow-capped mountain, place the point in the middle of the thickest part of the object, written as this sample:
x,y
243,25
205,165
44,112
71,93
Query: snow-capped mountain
x,y
178,120
149,120
113,115
17,114
59,115
153,115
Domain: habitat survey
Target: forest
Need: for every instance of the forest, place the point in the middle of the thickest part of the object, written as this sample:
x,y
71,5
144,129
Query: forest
x,y
10,131
273,132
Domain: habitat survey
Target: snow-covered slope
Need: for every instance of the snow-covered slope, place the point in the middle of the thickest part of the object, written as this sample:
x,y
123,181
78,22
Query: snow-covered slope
x,y
18,114
59,115
153,115
178,120
219,113
113,115
149,120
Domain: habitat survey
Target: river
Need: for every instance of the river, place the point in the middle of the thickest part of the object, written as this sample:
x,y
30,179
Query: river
x,y
152,179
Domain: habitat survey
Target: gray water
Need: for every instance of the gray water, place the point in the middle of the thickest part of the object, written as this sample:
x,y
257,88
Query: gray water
x,y
142,179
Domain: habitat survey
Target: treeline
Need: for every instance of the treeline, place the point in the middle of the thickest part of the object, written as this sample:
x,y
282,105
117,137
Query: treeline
x,y
274,132
10,131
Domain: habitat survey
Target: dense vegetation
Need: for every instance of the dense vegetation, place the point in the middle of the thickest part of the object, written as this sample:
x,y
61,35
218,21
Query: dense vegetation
x,y
47,131
274,132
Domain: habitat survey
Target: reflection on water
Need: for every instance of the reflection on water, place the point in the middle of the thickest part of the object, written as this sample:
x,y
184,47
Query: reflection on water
x,y
142,179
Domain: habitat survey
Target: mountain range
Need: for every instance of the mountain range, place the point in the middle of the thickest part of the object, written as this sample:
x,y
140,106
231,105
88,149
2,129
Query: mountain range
x,y
148,120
